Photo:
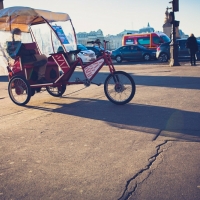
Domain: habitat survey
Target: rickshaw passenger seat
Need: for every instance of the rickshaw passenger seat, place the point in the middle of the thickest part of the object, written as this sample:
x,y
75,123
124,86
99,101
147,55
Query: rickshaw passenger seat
x,y
31,46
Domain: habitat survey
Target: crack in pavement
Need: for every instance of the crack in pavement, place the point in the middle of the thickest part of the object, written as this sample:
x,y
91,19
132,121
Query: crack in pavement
x,y
14,113
129,189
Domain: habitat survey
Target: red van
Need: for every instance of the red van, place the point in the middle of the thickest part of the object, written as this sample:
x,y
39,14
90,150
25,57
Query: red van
x,y
149,40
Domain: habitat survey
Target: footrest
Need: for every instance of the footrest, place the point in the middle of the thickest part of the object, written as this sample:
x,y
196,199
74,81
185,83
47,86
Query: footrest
x,y
98,84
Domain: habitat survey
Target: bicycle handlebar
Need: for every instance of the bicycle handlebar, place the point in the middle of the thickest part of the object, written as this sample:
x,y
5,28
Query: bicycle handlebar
x,y
98,42
74,51
105,41
90,42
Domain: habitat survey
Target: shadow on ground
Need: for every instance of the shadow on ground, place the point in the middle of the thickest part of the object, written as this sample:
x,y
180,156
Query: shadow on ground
x,y
137,117
158,81
3,78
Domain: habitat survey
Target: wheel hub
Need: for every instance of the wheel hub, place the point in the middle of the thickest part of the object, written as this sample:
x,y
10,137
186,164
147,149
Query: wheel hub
x,y
19,90
119,87
87,82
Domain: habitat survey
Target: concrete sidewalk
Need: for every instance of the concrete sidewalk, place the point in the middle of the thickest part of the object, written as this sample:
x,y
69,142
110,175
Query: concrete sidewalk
x,y
82,146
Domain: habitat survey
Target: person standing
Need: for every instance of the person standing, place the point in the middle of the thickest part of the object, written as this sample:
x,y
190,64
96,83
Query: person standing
x,y
192,45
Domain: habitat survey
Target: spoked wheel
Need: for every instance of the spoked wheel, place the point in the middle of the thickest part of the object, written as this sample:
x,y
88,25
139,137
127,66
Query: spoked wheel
x,y
163,57
147,57
56,91
19,90
119,88
119,59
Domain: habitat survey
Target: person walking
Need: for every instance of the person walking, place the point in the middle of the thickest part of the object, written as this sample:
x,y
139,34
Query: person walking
x,y
192,45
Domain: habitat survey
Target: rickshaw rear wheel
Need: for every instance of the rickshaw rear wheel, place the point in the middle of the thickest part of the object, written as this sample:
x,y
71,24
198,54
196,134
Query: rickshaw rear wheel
x,y
56,91
19,90
32,91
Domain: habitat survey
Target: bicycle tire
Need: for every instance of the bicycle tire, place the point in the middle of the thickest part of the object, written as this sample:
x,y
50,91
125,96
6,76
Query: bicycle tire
x,y
19,90
117,85
56,91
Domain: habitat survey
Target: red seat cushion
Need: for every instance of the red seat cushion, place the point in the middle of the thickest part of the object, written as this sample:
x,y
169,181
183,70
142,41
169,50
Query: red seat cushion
x,y
28,66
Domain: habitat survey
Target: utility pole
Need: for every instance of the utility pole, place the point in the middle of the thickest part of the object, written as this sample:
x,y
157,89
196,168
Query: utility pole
x,y
1,4
173,45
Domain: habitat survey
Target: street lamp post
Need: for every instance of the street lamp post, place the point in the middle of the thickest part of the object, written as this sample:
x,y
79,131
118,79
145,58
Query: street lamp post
x,y
173,45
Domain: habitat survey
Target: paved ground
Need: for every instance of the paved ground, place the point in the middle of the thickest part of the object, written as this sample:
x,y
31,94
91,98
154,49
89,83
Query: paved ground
x,y
82,146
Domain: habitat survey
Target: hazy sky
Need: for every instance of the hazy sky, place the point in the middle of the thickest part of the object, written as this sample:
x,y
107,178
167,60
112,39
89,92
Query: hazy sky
x,y
113,16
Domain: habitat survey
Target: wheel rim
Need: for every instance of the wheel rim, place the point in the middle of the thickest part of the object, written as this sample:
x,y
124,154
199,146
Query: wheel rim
x,y
163,58
121,90
56,91
18,90
118,59
147,57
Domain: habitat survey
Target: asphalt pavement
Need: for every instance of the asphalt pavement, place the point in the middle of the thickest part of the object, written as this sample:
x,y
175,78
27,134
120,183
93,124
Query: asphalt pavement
x,y
83,147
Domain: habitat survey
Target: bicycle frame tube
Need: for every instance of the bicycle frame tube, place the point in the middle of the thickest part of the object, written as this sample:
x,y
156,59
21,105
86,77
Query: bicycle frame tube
x,y
90,70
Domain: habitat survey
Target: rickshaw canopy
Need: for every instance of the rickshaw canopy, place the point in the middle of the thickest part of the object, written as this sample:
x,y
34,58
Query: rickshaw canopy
x,y
22,17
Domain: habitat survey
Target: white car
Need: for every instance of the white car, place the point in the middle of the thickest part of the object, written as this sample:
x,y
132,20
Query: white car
x,y
85,54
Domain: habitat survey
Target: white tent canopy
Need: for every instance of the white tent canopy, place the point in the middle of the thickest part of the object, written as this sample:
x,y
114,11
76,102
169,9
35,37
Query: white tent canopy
x,y
22,17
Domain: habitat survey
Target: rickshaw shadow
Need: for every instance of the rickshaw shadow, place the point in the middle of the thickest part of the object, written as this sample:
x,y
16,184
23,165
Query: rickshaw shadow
x,y
137,117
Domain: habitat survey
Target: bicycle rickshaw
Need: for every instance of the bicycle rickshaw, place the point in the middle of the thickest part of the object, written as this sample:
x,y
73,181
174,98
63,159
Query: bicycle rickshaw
x,y
53,34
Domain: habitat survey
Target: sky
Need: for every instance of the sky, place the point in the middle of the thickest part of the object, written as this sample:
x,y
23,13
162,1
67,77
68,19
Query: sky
x,y
114,16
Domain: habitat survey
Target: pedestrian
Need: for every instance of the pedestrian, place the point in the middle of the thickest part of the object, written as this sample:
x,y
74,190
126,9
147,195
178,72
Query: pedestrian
x,y
15,48
192,46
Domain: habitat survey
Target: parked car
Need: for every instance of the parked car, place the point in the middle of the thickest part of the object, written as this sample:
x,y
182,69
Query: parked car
x,y
163,51
148,40
85,54
133,52
96,50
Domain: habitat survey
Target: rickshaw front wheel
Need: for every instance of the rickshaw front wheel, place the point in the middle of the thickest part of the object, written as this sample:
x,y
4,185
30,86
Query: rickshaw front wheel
x,y
19,90
56,91
119,88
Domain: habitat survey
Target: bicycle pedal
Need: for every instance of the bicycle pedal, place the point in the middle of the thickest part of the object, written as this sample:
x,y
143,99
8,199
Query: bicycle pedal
x,y
38,90
98,84
77,80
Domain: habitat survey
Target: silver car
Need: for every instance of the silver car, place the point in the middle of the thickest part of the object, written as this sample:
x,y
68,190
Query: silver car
x,y
163,51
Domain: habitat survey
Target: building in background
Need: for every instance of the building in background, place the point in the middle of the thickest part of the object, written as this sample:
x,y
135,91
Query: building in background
x,y
147,29
83,37
115,41
167,27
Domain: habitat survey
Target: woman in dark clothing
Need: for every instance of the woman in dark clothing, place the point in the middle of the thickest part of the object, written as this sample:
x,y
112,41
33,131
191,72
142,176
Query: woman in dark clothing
x,y
192,45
